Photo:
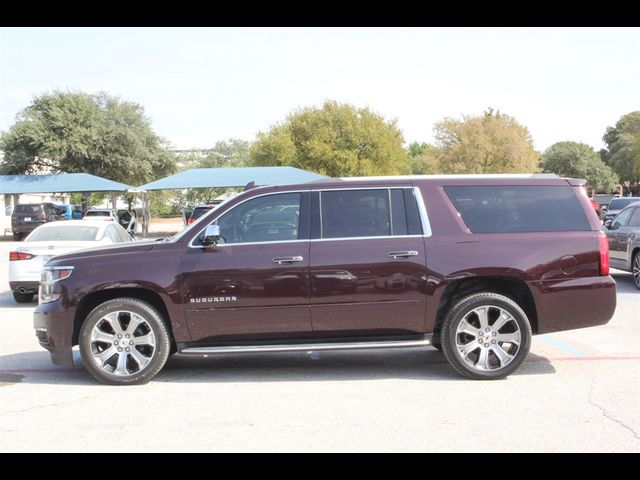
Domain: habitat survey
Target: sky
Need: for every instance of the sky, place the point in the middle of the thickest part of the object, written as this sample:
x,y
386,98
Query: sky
x,y
202,85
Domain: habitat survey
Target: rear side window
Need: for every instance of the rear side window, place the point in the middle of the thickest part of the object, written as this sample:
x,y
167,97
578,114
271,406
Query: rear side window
x,y
635,218
355,213
497,209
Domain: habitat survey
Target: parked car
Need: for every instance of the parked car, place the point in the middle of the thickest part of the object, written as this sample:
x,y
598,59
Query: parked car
x,y
617,205
490,261
26,217
55,238
623,233
107,214
128,219
67,210
201,210
597,208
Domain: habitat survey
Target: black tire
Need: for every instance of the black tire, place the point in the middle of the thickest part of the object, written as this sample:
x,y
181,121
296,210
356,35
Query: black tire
x,y
494,302
436,341
17,237
155,323
23,297
635,269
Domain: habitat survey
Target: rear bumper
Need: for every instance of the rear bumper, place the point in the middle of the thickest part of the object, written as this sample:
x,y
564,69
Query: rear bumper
x,y
575,303
24,287
54,330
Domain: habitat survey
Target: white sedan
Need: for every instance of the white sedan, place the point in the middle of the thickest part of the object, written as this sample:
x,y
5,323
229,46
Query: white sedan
x,y
56,238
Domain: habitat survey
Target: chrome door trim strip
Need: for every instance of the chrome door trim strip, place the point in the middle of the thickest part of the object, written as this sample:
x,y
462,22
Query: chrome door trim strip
x,y
426,340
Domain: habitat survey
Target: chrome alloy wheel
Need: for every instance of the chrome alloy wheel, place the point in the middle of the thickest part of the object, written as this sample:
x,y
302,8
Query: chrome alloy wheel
x,y
122,343
636,270
488,338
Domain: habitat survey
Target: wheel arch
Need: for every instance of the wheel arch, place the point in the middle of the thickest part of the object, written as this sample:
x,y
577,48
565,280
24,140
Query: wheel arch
x,y
514,288
93,299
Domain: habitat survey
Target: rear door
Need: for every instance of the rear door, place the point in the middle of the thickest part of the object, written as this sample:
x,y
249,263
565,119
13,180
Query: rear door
x,y
618,234
253,284
368,265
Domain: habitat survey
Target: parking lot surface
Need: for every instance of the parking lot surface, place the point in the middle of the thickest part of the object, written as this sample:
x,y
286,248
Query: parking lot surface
x,y
578,391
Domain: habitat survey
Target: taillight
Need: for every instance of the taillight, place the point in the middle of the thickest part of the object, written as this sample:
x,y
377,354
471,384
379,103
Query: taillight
x,y
190,221
40,217
16,256
604,253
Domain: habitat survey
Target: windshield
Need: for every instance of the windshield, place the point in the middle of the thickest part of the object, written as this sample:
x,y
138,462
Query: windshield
x,y
66,233
181,234
620,203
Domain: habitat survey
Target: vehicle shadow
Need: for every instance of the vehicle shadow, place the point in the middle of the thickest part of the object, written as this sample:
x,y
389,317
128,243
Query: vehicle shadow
x,y
411,364
624,281
7,301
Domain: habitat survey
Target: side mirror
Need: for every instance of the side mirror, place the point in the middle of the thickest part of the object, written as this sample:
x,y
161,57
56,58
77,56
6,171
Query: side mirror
x,y
211,235
607,224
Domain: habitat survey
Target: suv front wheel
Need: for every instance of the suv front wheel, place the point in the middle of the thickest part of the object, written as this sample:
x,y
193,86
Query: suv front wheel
x,y
486,336
124,341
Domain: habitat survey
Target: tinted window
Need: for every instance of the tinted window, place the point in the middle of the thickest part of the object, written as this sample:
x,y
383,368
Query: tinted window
x,y
399,222
66,233
622,218
200,211
263,219
491,209
100,213
635,218
355,213
28,208
620,203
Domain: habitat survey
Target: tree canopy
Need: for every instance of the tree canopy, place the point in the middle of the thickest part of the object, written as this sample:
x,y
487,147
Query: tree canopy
x,y
335,140
488,143
77,132
623,150
578,160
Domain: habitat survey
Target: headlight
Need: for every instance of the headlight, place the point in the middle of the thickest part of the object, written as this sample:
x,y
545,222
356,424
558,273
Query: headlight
x,y
51,276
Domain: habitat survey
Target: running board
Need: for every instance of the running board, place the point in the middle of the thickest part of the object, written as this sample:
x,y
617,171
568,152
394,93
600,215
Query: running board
x,y
309,347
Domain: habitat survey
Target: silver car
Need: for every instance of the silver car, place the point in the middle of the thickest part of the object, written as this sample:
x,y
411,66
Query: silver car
x,y
624,241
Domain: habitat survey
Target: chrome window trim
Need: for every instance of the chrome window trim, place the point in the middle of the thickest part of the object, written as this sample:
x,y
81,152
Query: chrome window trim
x,y
426,226
422,210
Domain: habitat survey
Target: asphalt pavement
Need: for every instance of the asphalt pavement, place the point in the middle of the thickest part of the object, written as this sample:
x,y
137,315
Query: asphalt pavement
x,y
578,391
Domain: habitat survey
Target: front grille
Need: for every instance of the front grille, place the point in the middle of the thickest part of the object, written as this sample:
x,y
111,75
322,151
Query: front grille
x,y
42,336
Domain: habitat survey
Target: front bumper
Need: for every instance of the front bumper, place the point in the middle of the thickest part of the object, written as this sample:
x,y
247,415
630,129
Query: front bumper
x,y
54,329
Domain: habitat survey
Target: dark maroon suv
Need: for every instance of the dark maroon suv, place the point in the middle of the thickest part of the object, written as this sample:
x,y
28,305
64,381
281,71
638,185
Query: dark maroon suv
x,y
472,265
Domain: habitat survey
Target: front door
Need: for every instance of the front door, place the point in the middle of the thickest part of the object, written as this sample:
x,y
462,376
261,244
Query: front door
x,y
368,265
254,281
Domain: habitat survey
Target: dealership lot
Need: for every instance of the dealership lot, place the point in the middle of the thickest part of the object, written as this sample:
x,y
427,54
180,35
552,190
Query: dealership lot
x,y
578,391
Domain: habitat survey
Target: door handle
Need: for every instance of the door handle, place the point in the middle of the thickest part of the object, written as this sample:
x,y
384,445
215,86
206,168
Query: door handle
x,y
281,260
406,254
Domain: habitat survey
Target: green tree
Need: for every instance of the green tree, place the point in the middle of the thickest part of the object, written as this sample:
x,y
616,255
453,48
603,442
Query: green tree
x,y
578,160
488,143
424,159
623,151
76,132
335,140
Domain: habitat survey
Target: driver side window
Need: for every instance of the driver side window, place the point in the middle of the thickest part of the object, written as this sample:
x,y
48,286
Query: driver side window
x,y
271,218
621,219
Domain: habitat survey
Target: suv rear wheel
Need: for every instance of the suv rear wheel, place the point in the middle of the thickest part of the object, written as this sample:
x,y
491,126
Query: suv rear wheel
x,y
17,237
124,342
486,336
